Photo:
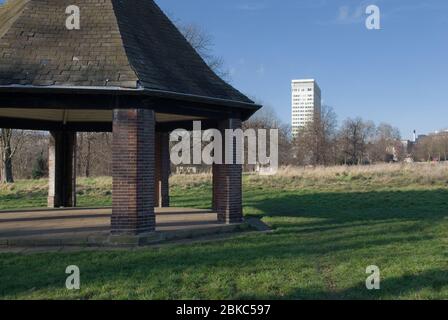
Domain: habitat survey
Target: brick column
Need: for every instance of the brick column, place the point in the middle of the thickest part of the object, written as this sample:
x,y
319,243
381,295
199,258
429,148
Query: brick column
x,y
162,192
215,172
133,171
61,169
227,181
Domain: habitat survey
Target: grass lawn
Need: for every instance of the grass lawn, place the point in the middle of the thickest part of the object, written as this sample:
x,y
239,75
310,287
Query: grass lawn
x,y
329,225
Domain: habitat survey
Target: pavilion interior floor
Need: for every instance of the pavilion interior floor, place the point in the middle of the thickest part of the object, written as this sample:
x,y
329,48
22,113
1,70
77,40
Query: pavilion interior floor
x,y
91,227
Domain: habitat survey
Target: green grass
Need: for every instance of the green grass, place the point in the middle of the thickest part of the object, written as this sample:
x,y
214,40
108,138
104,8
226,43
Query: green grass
x,y
327,230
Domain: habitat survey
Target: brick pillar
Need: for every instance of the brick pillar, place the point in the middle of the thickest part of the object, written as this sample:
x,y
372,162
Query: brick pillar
x,y
61,167
227,181
215,171
133,171
162,192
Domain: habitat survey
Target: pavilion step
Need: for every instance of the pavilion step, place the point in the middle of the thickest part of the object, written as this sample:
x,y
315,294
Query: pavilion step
x,y
104,239
172,235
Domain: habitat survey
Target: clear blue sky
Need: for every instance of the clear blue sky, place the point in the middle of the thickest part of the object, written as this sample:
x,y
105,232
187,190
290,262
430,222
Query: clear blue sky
x,y
398,74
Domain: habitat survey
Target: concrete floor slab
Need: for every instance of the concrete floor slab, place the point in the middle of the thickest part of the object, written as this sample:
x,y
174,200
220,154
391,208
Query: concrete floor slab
x,y
87,227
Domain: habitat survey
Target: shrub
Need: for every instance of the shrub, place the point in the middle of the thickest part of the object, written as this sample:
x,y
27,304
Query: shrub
x,y
40,167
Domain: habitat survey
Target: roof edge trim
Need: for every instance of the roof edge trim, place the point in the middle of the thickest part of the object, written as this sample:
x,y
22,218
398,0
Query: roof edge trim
x,y
198,98
145,91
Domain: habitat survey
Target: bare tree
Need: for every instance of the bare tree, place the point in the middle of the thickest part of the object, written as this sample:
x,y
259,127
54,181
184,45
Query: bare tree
x,y
432,147
315,143
386,143
203,43
93,153
84,150
34,145
11,141
266,118
354,136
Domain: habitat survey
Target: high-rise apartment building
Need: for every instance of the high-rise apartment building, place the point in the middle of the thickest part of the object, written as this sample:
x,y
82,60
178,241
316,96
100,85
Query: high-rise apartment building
x,y
306,103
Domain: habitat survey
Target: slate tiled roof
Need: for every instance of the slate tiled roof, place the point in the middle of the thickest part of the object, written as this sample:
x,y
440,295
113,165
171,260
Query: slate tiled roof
x,y
121,43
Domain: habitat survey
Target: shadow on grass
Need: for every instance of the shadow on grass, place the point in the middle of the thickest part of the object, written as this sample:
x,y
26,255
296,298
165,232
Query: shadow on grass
x,y
355,206
390,288
203,263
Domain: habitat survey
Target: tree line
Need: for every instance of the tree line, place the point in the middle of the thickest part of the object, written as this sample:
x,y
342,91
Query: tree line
x,y
432,148
24,154
324,142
